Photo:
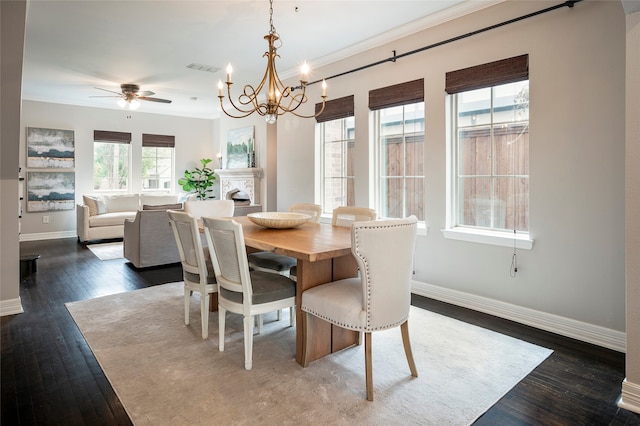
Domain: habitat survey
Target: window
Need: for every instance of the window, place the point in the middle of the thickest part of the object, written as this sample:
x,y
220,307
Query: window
x,y
335,136
111,160
398,116
490,147
157,162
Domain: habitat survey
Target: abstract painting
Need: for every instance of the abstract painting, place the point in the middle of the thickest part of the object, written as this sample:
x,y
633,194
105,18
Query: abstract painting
x,y
50,191
50,148
240,148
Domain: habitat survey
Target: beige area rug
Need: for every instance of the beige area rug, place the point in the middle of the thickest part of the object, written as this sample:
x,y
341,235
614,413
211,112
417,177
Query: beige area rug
x,y
107,251
165,374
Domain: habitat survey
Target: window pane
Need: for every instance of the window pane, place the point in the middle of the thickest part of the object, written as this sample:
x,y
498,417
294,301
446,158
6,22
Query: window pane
x,y
110,166
511,149
415,197
475,201
474,107
474,152
337,141
157,168
513,194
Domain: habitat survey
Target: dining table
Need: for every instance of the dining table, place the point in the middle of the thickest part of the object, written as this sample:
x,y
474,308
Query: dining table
x,y
323,254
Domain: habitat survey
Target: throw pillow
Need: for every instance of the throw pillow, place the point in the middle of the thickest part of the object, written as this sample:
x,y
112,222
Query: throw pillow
x,y
92,203
177,206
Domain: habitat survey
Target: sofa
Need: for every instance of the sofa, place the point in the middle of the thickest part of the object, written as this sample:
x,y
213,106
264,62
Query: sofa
x,y
102,217
148,238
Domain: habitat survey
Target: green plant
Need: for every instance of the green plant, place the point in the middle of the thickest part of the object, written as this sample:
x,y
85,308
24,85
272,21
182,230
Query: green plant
x,y
199,180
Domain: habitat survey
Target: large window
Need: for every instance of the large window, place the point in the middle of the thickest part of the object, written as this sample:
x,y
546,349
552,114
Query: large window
x,y
157,162
335,137
398,116
490,135
111,153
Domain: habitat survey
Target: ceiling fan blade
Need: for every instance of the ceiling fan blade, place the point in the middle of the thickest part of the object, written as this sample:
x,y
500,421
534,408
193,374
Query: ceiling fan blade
x,y
110,91
106,96
146,93
146,98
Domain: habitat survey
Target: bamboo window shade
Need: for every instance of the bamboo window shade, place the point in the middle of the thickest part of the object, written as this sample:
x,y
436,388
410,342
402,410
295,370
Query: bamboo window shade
x,y
109,136
158,141
396,95
336,109
503,71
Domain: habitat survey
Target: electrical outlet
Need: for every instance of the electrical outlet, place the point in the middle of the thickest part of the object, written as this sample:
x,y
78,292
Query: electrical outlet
x,y
45,219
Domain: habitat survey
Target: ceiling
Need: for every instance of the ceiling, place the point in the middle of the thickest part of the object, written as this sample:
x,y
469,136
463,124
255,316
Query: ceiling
x,y
73,47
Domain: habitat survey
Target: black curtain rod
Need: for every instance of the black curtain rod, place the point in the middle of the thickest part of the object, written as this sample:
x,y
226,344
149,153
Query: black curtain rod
x,y
568,3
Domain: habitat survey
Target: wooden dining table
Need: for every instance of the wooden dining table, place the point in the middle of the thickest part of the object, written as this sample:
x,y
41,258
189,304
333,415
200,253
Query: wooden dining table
x,y
324,254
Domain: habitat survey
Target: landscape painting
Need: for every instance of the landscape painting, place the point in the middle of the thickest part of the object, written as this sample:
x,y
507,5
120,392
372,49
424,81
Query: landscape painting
x,y
239,148
50,148
50,191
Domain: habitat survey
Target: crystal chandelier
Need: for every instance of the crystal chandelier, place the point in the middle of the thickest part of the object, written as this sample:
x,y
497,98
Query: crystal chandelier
x,y
280,99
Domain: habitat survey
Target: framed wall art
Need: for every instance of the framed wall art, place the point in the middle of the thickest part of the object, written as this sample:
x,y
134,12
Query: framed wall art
x,y
240,148
50,148
50,191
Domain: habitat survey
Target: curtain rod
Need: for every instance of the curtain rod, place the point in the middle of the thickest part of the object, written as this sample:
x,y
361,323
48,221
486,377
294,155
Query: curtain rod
x,y
568,3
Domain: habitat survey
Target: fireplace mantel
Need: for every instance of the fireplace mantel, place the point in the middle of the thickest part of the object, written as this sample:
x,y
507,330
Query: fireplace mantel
x,y
247,180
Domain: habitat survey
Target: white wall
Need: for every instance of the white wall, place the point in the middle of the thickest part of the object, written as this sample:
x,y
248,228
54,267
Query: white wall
x,y
194,140
576,269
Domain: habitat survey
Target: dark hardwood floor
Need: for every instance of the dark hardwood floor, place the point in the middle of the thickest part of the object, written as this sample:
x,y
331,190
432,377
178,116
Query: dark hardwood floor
x,y
50,376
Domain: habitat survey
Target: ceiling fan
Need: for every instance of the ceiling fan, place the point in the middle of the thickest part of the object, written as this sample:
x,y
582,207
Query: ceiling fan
x,y
131,95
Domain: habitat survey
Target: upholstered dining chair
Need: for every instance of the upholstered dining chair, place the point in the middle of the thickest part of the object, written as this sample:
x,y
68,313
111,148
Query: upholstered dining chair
x,y
377,300
209,208
242,291
272,262
197,270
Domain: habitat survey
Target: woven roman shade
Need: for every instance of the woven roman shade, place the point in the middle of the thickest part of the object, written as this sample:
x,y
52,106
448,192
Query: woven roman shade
x,y
504,71
336,109
108,136
158,141
398,94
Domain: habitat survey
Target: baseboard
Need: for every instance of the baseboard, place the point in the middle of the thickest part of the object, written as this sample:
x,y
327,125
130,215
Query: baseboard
x,y
567,327
630,398
10,307
48,235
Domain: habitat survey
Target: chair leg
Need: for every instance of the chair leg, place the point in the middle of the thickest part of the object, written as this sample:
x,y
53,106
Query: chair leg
x,y
221,317
292,316
307,335
187,293
407,348
204,314
279,315
368,366
248,342
260,323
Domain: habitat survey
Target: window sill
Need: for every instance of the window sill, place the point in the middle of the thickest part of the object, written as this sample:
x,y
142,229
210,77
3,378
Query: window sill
x,y
505,239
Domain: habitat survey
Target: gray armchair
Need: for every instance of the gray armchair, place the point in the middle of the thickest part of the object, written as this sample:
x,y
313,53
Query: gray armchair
x,y
149,241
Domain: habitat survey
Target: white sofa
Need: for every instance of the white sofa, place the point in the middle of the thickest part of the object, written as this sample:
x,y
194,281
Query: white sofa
x,y
102,217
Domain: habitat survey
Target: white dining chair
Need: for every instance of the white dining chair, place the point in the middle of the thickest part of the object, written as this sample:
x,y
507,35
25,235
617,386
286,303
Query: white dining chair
x,y
197,270
241,291
377,300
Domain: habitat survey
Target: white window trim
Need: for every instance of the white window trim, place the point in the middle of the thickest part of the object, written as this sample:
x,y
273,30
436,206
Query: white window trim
x,y
484,236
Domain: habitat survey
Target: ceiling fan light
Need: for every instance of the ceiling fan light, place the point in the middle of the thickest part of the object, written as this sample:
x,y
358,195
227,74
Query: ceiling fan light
x,y
134,104
122,103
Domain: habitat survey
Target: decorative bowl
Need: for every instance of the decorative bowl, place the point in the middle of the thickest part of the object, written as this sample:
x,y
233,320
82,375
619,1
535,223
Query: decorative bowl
x,y
278,220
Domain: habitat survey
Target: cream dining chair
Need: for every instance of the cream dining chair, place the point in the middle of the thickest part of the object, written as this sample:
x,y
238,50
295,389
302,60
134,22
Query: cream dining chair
x,y
197,270
377,300
241,291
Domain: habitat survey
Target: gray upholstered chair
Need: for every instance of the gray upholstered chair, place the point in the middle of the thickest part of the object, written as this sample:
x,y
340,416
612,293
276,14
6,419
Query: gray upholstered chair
x,y
242,291
271,262
197,271
377,300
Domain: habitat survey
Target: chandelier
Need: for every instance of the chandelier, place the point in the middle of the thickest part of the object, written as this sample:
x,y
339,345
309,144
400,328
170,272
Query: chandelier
x,y
280,99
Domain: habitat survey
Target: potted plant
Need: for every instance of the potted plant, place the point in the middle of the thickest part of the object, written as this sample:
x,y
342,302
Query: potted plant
x,y
199,180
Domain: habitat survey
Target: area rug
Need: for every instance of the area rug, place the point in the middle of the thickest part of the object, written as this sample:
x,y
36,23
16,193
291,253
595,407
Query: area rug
x,y
165,374
107,251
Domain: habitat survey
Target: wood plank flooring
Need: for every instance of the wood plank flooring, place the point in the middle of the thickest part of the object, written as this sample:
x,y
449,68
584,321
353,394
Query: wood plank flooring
x,y
50,376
